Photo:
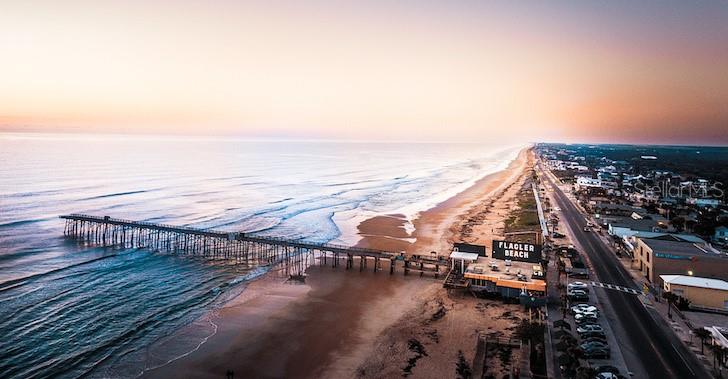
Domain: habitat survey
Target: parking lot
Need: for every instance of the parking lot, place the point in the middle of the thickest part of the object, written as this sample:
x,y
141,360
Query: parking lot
x,y
593,340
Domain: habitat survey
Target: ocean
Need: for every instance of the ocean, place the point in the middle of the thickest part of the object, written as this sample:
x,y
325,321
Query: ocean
x,y
68,310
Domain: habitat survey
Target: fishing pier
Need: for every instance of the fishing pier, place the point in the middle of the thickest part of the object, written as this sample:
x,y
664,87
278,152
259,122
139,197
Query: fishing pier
x,y
238,247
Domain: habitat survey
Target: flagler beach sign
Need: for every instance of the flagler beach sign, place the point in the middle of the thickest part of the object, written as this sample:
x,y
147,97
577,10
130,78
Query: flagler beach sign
x,y
517,251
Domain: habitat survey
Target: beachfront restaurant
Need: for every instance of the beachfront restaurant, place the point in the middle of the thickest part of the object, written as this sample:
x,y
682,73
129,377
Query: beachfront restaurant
x,y
508,278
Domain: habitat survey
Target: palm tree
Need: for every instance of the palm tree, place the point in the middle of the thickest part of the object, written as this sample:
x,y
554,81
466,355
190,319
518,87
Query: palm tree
x,y
703,334
671,298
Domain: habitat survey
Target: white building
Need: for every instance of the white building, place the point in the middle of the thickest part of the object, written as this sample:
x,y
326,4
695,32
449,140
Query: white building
x,y
587,182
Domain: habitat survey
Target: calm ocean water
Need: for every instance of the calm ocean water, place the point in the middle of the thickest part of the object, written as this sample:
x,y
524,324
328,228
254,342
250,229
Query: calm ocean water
x,y
69,311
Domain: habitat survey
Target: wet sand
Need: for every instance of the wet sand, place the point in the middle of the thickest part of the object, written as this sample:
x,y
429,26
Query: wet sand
x,y
339,321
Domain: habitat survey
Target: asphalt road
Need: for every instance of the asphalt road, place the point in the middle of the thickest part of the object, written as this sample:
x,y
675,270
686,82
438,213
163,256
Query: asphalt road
x,y
658,349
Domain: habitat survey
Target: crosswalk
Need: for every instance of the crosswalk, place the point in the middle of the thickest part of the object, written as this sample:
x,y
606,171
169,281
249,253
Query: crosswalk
x,y
616,288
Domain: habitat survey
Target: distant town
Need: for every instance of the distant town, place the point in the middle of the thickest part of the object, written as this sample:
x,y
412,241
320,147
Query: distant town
x,y
652,218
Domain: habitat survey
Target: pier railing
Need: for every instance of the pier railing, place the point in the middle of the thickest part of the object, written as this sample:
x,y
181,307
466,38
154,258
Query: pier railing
x,y
238,246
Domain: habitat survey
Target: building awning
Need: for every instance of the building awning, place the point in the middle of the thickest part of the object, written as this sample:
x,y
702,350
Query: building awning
x,y
464,256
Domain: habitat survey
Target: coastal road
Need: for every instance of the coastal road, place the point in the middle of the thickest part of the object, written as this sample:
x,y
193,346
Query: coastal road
x,y
655,346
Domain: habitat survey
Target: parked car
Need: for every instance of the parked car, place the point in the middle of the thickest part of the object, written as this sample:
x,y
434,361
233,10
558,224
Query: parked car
x,y
594,334
578,286
595,339
594,314
579,273
585,319
579,311
593,344
608,375
589,328
577,295
581,308
587,229
607,368
596,353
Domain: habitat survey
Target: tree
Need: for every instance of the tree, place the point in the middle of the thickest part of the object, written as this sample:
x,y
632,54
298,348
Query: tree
x,y
690,225
671,298
703,334
586,373
678,222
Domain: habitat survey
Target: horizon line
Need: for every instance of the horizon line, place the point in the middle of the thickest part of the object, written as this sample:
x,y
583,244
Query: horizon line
x,y
233,137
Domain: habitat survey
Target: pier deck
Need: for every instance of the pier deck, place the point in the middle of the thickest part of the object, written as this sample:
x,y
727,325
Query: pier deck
x,y
235,246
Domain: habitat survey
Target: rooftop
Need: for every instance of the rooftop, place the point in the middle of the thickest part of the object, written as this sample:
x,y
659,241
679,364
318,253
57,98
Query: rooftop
x,y
694,281
675,247
514,274
629,222
665,236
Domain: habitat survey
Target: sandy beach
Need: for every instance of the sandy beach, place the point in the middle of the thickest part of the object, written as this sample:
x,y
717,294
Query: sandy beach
x,y
362,324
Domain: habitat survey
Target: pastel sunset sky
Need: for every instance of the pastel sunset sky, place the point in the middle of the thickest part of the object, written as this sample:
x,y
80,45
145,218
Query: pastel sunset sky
x,y
602,71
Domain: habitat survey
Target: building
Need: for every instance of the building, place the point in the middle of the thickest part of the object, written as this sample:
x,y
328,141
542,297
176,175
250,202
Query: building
x,y
587,182
513,269
655,257
625,227
703,293
631,241
703,203
608,209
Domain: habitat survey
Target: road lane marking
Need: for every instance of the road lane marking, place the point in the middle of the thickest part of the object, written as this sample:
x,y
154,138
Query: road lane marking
x,y
615,287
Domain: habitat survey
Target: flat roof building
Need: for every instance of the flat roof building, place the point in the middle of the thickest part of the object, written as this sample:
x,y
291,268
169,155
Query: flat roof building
x,y
506,277
655,257
703,293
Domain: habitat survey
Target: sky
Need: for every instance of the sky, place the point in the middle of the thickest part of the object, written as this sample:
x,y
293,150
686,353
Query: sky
x,y
602,71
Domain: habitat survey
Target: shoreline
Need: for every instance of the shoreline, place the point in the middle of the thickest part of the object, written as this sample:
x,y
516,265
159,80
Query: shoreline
x,y
337,314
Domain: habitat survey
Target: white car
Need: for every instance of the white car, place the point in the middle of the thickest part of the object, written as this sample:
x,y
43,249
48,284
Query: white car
x,y
607,375
578,286
586,316
589,328
581,308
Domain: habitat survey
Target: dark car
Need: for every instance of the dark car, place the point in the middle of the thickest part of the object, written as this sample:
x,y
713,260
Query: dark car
x,y
595,339
577,295
581,273
596,353
594,345
593,334
585,320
